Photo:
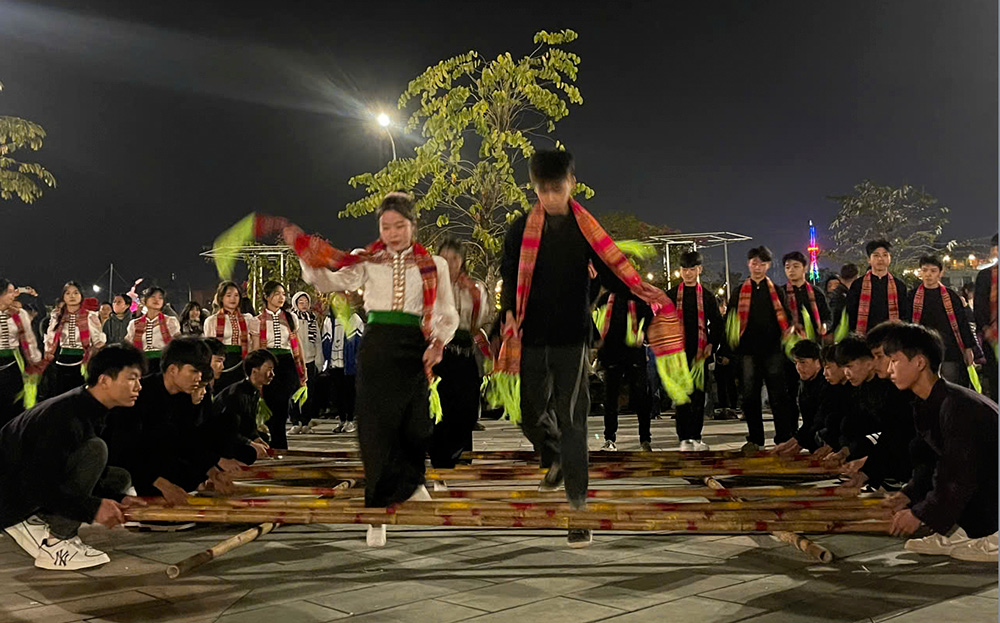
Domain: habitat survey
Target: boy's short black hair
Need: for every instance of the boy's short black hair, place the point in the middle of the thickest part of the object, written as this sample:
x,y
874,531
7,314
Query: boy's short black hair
x,y
914,339
829,354
257,358
875,245
795,256
878,334
217,347
690,259
112,359
993,240
103,303
826,284
762,253
182,351
124,296
807,349
551,165
852,348
849,271
930,260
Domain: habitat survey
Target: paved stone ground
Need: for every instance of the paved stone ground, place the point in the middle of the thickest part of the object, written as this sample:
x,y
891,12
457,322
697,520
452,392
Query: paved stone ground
x,y
326,573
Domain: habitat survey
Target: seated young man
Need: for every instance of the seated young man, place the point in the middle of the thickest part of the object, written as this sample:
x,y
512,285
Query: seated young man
x,y
238,417
954,485
861,424
813,396
161,447
53,467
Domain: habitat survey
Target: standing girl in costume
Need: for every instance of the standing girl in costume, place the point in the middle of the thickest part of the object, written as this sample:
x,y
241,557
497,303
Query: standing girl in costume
x,y
18,352
459,370
237,331
308,331
152,331
74,334
411,316
277,334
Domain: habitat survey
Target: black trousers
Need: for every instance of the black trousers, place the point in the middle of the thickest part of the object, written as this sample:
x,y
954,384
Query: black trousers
x,y
630,368
277,395
307,412
459,390
393,411
725,385
758,370
555,401
86,473
345,392
11,384
690,417
61,375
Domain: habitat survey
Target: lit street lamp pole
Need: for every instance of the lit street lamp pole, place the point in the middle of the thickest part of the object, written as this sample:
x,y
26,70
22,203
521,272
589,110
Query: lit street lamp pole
x,y
384,121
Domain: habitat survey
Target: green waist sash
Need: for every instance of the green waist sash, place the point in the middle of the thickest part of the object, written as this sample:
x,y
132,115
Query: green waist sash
x,y
280,351
394,317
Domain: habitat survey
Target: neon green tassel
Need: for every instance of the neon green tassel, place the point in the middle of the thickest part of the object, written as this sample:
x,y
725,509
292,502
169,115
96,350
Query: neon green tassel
x,y
974,379
789,340
698,375
301,395
436,411
83,371
31,390
808,324
502,389
675,376
733,329
230,242
263,413
340,307
599,317
641,250
632,337
842,328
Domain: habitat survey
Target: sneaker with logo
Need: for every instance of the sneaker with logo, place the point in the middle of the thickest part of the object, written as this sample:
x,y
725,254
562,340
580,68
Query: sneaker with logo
x,y
68,555
977,550
29,534
609,445
937,544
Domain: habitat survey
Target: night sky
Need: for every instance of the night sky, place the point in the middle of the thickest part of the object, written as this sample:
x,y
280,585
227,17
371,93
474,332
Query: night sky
x,y
168,121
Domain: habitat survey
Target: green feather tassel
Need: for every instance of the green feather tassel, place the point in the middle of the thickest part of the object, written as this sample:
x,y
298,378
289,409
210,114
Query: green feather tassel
x,y
974,379
340,307
263,413
301,395
502,389
733,329
436,412
788,341
675,377
698,375
808,324
29,392
229,242
641,250
842,328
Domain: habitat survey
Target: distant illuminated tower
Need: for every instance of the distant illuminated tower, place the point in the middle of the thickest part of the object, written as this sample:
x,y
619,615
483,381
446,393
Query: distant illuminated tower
x,y
813,254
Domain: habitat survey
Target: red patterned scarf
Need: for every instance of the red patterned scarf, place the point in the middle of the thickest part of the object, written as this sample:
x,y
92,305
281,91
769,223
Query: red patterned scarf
x,y
82,327
949,310
22,340
743,308
865,302
793,305
633,333
140,330
300,362
703,347
239,324
474,288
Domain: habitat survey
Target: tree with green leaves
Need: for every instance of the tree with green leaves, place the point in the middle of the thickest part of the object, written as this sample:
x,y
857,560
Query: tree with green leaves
x,y
908,217
480,120
23,179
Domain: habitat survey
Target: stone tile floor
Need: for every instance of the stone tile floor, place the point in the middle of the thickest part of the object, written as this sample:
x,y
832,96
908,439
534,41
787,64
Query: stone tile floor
x,y
319,573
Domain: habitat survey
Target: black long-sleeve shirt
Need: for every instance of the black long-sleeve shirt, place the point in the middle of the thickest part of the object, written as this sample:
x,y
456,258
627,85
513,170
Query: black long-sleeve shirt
x,y
235,421
161,436
810,398
614,346
763,333
890,458
862,422
714,325
935,317
959,427
981,306
835,401
34,448
802,301
878,309
558,309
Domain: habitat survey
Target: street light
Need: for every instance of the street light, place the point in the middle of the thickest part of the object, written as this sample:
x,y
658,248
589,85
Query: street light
x,y
650,276
972,258
97,288
384,121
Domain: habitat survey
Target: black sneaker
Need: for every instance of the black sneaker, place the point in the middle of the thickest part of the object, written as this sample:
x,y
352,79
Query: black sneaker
x,y
645,446
579,538
553,478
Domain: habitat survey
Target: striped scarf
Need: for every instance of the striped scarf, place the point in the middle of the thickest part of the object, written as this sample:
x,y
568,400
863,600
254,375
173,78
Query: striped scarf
x,y
743,308
633,328
81,319
140,331
793,305
666,336
239,325
265,319
949,310
474,288
312,327
865,302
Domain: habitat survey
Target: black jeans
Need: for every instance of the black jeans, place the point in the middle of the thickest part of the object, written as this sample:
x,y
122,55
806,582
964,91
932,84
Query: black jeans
x,y
725,385
459,391
630,368
85,474
555,401
690,417
767,369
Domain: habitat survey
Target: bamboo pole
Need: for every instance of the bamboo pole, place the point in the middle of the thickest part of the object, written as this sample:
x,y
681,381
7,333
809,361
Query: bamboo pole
x,y
806,546
191,562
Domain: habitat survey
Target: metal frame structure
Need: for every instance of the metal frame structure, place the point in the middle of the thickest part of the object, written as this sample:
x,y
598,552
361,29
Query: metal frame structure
x,y
251,254
702,240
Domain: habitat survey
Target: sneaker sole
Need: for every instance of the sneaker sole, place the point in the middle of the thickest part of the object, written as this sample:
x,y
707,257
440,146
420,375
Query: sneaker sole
x,y
171,528
581,544
988,559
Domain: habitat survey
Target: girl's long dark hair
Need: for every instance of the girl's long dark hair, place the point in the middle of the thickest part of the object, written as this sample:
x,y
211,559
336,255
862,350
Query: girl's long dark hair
x,y
269,289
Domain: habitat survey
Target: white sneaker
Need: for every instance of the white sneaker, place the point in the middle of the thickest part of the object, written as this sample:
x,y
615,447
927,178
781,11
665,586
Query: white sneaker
x,y
295,430
609,445
29,534
687,445
420,494
700,446
937,544
977,550
439,485
350,427
339,428
376,536
68,555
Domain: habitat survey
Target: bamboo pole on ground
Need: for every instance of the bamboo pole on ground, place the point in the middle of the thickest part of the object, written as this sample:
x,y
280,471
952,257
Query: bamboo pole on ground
x,y
806,546
192,562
